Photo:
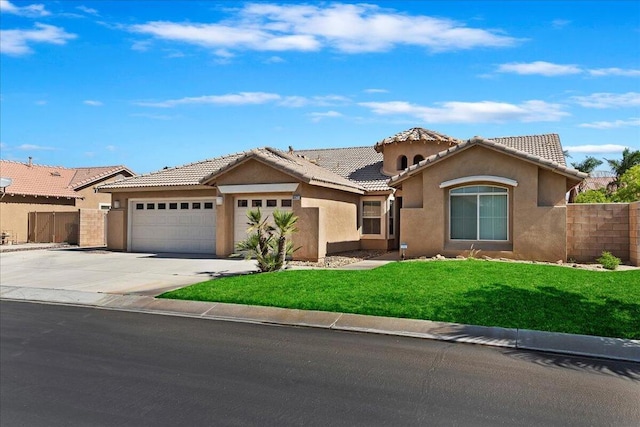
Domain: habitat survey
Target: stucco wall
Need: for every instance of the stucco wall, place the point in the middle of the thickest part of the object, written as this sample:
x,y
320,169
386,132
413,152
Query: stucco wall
x,y
116,230
14,213
536,232
596,227
393,151
634,233
91,199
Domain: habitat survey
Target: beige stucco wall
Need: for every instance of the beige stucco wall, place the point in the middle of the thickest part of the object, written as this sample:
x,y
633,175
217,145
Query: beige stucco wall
x,y
14,213
536,232
91,199
634,233
410,149
116,230
596,227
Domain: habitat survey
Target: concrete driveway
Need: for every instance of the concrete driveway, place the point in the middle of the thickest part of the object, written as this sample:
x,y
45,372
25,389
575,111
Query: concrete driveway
x,y
97,270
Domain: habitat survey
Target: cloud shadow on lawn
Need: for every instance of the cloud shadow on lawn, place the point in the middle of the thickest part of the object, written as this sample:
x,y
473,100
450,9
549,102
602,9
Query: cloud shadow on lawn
x,y
545,308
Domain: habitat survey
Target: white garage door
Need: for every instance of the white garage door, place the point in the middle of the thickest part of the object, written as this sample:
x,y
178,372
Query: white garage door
x,y
181,226
267,203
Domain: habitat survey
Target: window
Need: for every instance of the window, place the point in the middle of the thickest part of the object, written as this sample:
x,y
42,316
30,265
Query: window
x,y
139,206
417,159
256,203
173,206
208,205
184,205
286,203
272,203
151,206
196,205
242,203
104,206
162,206
402,163
479,213
371,217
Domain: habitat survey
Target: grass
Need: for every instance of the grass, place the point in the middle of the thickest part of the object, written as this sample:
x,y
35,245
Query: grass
x,y
511,295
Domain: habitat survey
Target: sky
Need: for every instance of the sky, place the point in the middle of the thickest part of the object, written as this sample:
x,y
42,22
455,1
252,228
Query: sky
x,y
149,84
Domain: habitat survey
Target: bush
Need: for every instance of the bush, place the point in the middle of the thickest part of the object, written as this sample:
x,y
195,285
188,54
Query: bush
x,y
593,196
609,261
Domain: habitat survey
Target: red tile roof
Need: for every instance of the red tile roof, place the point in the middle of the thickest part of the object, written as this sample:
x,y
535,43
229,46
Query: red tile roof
x,y
52,181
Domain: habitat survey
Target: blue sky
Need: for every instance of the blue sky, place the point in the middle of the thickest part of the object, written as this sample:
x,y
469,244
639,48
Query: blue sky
x,y
152,84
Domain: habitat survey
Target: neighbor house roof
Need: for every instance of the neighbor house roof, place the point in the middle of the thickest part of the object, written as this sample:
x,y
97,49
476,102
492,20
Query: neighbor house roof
x,y
358,164
294,165
52,181
416,135
494,145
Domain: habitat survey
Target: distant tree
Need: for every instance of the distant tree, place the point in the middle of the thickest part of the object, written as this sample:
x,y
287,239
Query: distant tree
x,y
629,186
588,165
619,167
593,196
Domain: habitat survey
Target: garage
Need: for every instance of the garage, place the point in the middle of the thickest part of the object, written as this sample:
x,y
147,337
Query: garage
x,y
267,203
178,226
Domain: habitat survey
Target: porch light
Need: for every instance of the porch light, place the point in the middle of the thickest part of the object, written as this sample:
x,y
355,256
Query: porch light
x,y
219,200
116,204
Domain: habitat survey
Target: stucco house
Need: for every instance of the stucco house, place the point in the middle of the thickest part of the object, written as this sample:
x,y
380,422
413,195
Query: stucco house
x,y
419,190
39,188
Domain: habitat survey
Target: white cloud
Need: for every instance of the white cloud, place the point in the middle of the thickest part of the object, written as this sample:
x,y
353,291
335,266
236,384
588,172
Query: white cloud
x,y
141,45
540,68
348,28
608,100
41,102
17,42
32,147
92,103
560,23
472,112
88,10
241,98
611,125
376,90
154,116
30,11
316,117
596,149
110,148
274,60
598,72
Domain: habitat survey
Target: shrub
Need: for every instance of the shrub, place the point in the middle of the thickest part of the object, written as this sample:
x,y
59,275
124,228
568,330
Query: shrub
x,y
609,261
593,196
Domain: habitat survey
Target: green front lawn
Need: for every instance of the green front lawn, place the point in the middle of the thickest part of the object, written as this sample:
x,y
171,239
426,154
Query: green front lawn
x,y
511,295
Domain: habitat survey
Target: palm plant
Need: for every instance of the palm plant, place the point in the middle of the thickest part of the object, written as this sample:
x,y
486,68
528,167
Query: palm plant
x,y
619,167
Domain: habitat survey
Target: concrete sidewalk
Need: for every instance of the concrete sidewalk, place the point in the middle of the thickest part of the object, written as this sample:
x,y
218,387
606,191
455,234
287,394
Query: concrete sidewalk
x,y
581,345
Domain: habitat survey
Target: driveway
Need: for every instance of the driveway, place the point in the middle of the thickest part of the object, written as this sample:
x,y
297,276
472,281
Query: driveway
x,y
97,270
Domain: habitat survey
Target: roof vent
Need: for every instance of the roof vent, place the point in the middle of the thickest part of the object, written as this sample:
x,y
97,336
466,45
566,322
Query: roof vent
x,y
55,173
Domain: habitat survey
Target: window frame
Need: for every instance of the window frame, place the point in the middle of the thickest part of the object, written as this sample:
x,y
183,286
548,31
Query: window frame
x,y
381,217
506,193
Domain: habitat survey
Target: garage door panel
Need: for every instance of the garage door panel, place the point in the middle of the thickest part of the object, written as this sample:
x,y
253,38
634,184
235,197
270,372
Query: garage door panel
x,y
240,211
183,230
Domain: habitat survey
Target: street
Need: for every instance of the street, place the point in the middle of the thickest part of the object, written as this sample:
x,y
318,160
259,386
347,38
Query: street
x,y
63,365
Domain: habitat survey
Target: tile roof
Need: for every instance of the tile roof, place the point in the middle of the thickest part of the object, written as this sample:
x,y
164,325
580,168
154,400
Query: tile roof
x,y
493,144
52,181
358,164
189,174
597,180
545,146
294,165
416,134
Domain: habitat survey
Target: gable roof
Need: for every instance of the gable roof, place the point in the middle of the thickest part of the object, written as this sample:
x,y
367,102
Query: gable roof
x,y
546,146
416,135
294,165
362,165
52,181
188,174
494,145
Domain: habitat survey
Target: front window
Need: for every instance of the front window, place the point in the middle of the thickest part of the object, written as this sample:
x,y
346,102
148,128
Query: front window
x,y
372,217
479,212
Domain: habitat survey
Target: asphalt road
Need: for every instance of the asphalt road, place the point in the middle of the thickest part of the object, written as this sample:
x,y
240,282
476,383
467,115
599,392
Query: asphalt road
x,y
63,366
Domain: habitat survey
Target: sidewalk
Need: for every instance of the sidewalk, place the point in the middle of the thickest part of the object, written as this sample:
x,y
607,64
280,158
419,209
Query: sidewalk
x,y
580,345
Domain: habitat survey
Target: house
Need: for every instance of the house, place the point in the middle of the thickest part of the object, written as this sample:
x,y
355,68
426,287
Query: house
x,y
38,188
419,190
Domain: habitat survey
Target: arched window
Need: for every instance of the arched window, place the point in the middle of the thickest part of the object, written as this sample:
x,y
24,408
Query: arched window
x,y
417,159
479,212
402,163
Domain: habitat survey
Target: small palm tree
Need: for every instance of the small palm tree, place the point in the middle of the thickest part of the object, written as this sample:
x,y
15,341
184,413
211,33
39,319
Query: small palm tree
x,y
619,167
269,245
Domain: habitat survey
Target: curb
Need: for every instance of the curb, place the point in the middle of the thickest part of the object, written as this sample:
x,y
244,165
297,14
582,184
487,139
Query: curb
x,y
553,342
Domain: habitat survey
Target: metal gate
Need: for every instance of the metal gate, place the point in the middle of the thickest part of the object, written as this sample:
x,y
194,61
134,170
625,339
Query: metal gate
x,y
54,227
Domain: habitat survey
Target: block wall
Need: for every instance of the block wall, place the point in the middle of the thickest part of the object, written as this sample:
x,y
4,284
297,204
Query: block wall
x,y
92,227
634,233
597,227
